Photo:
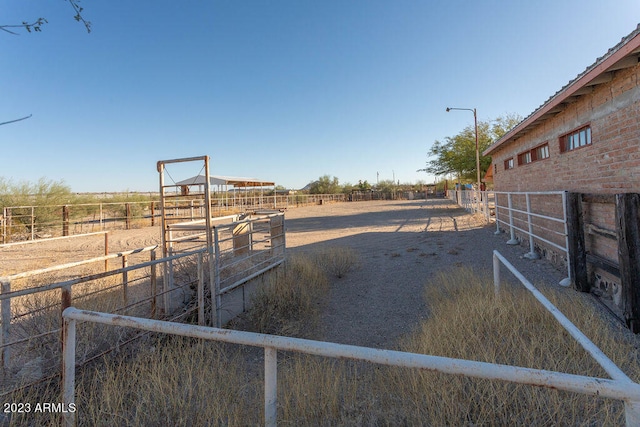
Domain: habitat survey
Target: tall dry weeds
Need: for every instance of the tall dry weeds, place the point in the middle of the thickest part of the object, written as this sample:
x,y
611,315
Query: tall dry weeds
x,y
187,382
289,304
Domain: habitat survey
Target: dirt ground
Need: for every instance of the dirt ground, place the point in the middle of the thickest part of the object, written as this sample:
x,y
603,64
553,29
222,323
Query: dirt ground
x,y
401,244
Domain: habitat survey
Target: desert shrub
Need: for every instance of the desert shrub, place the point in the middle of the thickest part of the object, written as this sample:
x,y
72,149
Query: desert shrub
x,y
337,261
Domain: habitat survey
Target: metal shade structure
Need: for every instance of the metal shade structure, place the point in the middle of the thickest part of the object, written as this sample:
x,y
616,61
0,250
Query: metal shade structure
x,y
225,180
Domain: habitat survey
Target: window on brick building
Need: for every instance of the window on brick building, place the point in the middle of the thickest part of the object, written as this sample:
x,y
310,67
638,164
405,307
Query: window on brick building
x,y
540,153
508,164
524,158
575,139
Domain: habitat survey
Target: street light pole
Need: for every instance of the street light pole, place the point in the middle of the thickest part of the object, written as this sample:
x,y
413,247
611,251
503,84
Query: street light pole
x,y
475,120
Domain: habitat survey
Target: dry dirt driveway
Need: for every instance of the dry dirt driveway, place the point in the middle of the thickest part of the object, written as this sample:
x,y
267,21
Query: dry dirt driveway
x,y
401,244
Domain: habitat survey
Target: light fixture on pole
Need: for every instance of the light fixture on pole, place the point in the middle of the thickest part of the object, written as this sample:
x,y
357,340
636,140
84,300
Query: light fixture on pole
x,y
475,120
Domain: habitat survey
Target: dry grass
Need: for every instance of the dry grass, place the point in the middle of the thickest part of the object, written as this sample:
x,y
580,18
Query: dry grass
x,y
174,381
468,322
290,303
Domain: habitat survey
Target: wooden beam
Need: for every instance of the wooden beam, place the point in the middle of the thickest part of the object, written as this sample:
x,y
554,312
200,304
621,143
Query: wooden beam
x,y
598,198
628,228
603,264
577,248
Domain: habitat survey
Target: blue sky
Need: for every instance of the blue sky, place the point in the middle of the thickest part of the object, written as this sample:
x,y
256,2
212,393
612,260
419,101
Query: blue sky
x,y
284,91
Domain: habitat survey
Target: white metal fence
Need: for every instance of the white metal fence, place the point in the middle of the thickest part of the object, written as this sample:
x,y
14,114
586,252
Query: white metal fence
x,y
620,387
628,387
30,315
539,217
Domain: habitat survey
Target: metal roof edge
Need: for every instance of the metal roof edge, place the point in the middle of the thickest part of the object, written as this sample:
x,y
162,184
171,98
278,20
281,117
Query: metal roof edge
x,y
626,46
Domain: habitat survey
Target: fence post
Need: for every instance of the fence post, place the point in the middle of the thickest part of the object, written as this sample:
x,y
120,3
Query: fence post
x,y
65,302
532,250
628,228
270,386
496,274
154,285
128,216
65,220
216,298
577,250
512,240
125,283
495,209
632,413
106,250
5,317
200,290
33,223
153,216
3,221
69,370
567,280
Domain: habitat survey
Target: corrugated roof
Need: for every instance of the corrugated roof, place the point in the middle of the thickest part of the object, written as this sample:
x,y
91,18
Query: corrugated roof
x,y
225,180
623,55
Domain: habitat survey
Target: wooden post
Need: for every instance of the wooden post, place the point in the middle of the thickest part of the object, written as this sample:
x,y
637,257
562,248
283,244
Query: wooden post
x,y
65,220
65,302
153,212
577,249
5,317
128,214
628,228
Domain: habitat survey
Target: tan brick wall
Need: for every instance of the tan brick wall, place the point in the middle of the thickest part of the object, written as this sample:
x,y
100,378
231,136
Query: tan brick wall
x,y
611,164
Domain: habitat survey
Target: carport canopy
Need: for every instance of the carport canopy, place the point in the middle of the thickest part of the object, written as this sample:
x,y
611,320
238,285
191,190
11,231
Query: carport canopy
x,y
226,181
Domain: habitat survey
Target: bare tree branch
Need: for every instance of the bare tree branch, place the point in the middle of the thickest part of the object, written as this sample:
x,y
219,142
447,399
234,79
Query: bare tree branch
x,y
36,25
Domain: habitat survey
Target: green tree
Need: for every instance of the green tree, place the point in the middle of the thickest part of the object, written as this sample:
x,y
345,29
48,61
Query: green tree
x,y
457,154
40,199
364,186
325,185
386,188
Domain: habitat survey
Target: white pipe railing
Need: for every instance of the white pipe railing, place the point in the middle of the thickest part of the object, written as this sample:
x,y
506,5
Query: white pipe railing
x,y
627,391
527,215
632,404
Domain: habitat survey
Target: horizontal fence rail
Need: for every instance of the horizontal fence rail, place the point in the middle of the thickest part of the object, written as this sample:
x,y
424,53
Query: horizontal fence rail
x,y
614,389
632,403
169,287
540,217
21,223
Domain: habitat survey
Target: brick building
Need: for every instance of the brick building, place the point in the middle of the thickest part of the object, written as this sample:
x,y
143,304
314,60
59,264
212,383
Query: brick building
x,y
585,139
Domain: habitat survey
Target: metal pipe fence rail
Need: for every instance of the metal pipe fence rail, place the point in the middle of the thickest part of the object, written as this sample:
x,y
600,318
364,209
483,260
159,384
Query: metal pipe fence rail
x,y
619,389
631,401
25,323
539,216
20,223
243,250
482,202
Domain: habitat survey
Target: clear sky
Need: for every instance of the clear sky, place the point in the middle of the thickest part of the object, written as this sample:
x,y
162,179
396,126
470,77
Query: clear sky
x,y
283,91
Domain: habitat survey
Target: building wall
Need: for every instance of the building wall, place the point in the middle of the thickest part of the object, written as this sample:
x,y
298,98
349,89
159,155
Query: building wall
x,y
611,164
